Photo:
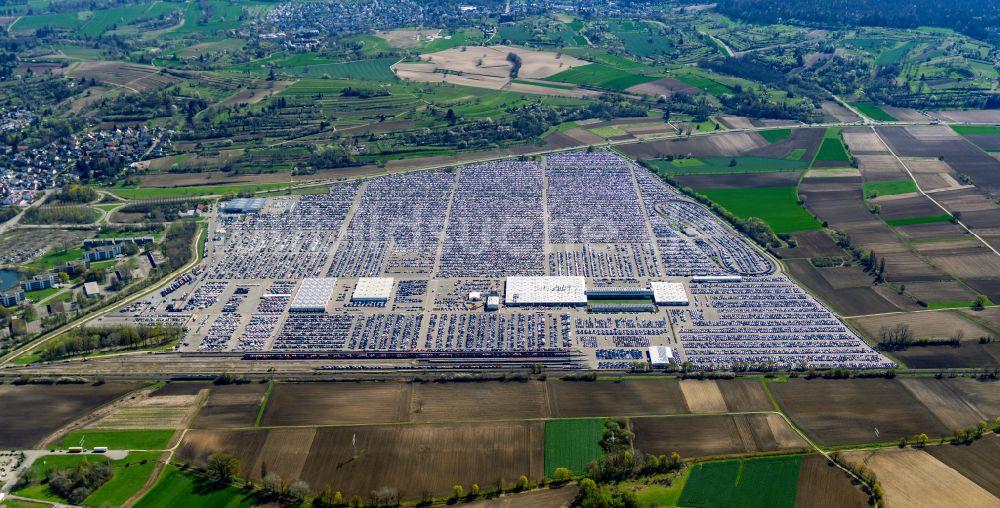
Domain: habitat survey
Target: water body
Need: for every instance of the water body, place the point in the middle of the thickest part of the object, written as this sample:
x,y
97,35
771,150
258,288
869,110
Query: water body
x,y
8,279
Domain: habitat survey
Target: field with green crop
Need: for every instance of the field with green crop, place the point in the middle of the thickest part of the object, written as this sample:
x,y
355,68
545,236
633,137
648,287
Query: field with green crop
x,y
889,187
130,475
154,439
919,220
703,83
572,444
775,135
739,164
777,206
187,489
364,70
746,483
600,76
973,130
187,192
832,149
874,112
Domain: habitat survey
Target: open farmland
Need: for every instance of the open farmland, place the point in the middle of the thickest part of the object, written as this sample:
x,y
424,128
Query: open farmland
x,y
782,211
979,462
915,478
835,413
231,406
700,436
601,76
768,482
823,485
410,458
572,444
61,404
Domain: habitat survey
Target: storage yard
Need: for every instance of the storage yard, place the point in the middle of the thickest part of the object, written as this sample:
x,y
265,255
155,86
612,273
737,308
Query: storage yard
x,y
597,263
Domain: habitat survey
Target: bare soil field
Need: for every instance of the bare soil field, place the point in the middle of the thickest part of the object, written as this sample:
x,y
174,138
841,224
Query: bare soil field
x,y
736,122
839,113
823,485
407,38
979,462
932,231
880,167
978,263
180,388
806,139
812,244
663,86
908,207
410,458
699,436
132,76
231,406
258,92
714,145
838,412
33,412
941,141
944,402
336,403
744,395
914,478
848,302
842,277
988,142
569,399
703,396
740,181
981,394
160,412
443,402
971,116
549,498
932,174
950,291
905,114
988,286
970,355
989,316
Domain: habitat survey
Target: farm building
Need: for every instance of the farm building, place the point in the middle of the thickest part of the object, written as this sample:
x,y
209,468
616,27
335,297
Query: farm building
x,y
557,290
243,205
660,356
669,293
372,289
313,294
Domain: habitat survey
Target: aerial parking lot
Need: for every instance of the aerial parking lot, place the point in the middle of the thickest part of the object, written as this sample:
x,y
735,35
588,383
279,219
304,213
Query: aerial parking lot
x,y
551,261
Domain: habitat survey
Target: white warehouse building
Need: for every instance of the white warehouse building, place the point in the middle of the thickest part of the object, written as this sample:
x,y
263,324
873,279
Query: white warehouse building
x,y
556,290
669,293
372,289
313,294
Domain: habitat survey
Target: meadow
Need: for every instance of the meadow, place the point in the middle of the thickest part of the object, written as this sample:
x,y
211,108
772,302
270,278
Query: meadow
x,y
777,206
152,439
572,444
600,76
889,188
765,483
832,149
184,488
873,111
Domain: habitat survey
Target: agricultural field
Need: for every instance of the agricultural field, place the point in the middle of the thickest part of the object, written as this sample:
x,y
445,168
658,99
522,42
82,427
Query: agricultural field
x,y
61,405
597,75
130,473
782,212
754,482
572,444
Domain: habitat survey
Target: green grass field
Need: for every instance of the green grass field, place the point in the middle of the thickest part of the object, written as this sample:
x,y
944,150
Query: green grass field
x,y
765,483
572,444
70,20
364,70
153,439
183,488
130,475
895,54
713,165
546,85
832,149
600,76
187,192
919,220
977,129
777,206
57,256
874,112
703,83
775,135
889,188
796,154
